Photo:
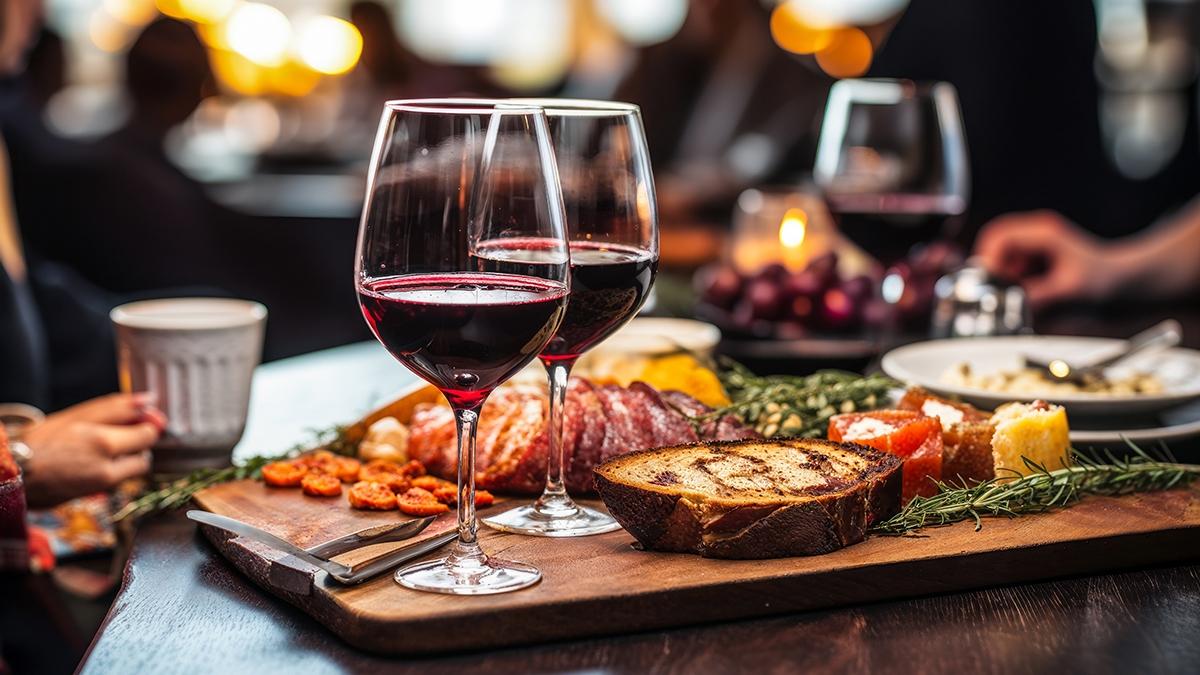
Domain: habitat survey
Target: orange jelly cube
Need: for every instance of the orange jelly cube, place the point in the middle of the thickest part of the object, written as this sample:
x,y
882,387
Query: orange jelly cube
x,y
904,433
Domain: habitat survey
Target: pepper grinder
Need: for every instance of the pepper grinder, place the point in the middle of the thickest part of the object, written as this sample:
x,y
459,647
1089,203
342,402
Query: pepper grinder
x,y
970,302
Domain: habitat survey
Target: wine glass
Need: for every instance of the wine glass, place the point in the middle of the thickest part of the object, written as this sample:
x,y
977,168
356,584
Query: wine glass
x,y
892,162
612,220
446,175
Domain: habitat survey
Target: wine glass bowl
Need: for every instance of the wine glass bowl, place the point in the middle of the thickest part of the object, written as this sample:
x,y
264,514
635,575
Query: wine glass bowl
x,y
612,225
892,162
446,175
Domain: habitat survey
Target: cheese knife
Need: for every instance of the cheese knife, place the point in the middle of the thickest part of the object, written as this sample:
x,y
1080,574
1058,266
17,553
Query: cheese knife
x,y
315,556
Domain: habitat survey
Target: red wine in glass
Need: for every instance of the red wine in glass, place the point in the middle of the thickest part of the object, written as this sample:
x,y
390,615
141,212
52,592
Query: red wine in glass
x,y
890,225
609,284
465,333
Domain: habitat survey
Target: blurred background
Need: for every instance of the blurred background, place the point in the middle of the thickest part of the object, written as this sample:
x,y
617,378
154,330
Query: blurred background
x,y
161,147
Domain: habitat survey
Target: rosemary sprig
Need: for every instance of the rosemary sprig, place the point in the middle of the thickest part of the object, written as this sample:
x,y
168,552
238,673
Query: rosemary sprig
x,y
177,492
786,405
1040,491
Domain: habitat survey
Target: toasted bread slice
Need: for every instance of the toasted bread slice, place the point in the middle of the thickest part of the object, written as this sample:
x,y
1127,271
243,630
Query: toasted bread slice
x,y
753,498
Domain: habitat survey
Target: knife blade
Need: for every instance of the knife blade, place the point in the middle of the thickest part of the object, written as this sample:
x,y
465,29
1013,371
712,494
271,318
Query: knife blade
x,y
262,536
380,534
342,573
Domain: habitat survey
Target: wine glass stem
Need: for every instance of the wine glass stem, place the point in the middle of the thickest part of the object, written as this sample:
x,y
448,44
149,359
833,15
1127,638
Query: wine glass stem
x,y
466,552
554,500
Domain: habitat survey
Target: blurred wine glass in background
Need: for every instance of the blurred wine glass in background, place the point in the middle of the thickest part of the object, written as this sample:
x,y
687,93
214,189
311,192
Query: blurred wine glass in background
x,y
892,162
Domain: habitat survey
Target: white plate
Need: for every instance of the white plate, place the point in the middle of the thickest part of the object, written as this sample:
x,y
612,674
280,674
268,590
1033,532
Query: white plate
x,y
1176,424
924,364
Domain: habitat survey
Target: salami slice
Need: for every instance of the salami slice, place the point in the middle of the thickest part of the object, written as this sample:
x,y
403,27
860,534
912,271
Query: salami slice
x,y
668,425
585,411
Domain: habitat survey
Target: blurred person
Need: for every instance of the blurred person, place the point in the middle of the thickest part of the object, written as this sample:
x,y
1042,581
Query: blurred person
x,y
1025,74
725,109
1055,212
87,447
1058,261
120,212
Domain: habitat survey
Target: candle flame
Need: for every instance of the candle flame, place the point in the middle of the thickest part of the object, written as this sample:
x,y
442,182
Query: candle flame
x,y
793,228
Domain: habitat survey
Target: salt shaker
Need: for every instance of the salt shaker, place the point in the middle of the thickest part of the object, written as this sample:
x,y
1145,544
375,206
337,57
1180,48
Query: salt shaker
x,y
972,303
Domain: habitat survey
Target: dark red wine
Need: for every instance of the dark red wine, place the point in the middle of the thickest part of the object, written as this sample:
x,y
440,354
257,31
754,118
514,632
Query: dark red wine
x,y
465,333
609,284
889,225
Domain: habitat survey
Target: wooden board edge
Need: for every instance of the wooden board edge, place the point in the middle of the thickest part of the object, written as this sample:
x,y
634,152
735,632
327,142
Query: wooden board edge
x,y
744,600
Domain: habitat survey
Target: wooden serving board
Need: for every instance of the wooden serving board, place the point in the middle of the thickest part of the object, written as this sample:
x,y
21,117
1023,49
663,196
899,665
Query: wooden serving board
x,y
601,585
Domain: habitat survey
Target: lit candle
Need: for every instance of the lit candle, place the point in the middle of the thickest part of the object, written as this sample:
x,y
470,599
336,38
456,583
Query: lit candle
x,y
792,231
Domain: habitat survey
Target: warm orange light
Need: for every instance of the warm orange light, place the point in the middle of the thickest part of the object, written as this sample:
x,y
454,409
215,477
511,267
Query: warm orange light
x,y
207,11
848,54
793,228
792,33
328,44
260,33
171,8
131,12
107,33
238,73
792,232
292,79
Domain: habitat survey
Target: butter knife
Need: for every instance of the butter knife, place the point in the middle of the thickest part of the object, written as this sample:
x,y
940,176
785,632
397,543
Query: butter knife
x,y
339,572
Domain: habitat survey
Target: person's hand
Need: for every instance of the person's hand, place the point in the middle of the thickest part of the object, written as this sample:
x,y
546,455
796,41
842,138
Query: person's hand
x,y
1052,257
91,447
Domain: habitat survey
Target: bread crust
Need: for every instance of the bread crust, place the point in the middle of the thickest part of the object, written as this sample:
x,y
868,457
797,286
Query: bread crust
x,y
663,519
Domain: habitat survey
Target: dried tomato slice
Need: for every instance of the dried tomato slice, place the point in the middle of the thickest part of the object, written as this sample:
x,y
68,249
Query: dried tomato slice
x,y
431,483
347,469
283,474
383,471
418,502
321,485
413,469
904,433
371,496
449,496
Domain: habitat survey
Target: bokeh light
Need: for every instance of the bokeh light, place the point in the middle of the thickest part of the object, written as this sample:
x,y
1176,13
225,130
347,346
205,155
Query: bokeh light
x,y
644,22
171,8
792,33
834,13
328,45
848,54
260,33
109,34
131,12
207,11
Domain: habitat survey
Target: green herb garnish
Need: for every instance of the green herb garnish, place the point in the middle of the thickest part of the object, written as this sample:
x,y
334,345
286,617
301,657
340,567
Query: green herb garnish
x,y
797,406
1040,491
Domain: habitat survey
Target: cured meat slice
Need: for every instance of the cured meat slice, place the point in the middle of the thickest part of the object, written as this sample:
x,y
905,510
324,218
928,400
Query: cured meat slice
x,y
621,434
512,448
728,428
585,411
433,438
526,428
667,425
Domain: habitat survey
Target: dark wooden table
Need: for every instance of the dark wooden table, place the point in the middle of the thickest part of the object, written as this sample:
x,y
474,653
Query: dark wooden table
x,y
183,609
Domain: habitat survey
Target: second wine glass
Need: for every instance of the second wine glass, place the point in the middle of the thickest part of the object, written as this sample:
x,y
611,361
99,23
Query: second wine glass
x,y
612,223
446,177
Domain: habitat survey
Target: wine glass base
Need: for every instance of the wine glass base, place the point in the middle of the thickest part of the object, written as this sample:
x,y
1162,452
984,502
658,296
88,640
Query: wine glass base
x,y
490,577
579,522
